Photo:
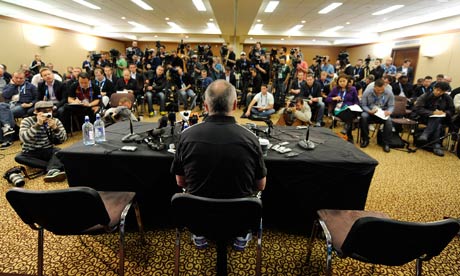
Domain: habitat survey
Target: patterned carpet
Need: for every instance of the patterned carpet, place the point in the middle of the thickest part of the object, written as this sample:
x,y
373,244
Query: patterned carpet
x,y
414,187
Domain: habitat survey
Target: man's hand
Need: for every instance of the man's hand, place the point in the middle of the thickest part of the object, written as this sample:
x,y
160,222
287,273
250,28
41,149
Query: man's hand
x,y
387,113
439,112
261,109
52,123
41,118
337,98
103,93
248,113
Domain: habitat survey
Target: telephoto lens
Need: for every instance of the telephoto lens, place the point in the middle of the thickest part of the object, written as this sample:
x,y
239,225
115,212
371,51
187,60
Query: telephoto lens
x,y
17,179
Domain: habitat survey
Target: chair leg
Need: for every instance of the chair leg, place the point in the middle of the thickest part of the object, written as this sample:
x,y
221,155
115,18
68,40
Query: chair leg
x,y
121,270
139,221
221,258
259,250
418,267
314,232
177,253
40,251
329,248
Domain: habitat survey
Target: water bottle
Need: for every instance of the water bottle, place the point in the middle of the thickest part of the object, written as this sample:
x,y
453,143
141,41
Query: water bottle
x,y
88,132
99,130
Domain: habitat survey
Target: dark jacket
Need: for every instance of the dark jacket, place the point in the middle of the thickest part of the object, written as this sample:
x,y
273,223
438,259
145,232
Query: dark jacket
x,y
28,93
59,90
130,85
427,103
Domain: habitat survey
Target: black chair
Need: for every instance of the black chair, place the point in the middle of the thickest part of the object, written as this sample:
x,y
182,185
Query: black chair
x,y
74,211
373,237
219,220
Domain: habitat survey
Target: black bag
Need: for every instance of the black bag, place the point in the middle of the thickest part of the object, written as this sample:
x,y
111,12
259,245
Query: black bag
x,y
395,142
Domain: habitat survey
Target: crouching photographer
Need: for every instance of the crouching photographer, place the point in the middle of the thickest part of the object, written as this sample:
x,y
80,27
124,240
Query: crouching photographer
x,y
38,135
15,176
295,114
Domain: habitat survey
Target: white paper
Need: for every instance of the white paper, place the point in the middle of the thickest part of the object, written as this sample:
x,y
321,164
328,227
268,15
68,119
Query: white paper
x,y
438,116
355,108
381,114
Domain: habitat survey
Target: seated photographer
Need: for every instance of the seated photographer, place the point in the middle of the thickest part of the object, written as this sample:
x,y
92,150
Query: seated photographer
x,y
315,98
376,100
122,112
296,113
21,95
434,109
340,97
52,90
184,84
156,87
38,135
261,105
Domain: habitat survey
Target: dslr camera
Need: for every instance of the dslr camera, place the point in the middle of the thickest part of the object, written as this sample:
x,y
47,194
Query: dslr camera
x,y
15,176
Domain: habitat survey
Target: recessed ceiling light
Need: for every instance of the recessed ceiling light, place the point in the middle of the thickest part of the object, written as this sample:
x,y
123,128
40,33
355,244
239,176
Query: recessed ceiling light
x,y
385,19
387,10
251,38
142,4
282,38
167,18
186,36
173,25
336,28
199,5
330,7
348,23
210,19
271,6
258,27
135,24
258,20
123,17
303,21
155,36
313,40
87,4
295,28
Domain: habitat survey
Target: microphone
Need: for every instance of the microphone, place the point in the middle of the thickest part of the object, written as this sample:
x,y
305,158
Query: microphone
x,y
270,126
172,121
306,143
131,137
157,132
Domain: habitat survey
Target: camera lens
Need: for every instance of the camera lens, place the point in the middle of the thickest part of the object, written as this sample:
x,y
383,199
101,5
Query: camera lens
x,y
17,179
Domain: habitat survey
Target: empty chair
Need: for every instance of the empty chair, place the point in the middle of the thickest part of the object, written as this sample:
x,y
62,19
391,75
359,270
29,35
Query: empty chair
x,y
220,220
74,211
373,237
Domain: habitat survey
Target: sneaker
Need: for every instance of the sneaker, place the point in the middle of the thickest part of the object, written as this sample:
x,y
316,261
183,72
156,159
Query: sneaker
x,y
55,175
241,242
7,130
199,241
371,128
162,113
6,145
437,150
151,114
318,124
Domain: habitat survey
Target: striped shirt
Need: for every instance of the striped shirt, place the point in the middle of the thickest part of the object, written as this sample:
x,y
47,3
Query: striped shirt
x,y
35,137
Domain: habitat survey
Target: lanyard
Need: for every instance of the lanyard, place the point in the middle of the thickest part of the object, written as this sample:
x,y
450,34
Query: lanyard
x,y
90,92
382,101
102,84
343,95
22,89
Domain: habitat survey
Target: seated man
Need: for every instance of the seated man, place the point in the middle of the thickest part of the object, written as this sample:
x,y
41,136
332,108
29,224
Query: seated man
x,y
184,88
434,109
299,87
38,135
315,98
6,126
156,87
83,100
295,114
52,90
106,87
120,113
373,103
206,151
21,95
261,105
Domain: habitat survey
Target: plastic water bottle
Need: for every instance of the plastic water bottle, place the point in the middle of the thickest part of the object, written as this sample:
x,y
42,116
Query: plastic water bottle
x,y
99,130
88,132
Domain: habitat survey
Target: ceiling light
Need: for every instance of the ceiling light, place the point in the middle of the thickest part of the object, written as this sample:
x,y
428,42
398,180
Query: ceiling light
x,y
199,5
135,24
87,4
142,4
210,19
313,40
173,25
296,28
271,6
387,10
330,8
186,36
251,38
123,17
282,39
336,28
303,21
348,23
155,36
258,20
258,27
167,18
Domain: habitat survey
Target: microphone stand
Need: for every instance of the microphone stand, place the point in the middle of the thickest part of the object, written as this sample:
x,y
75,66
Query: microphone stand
x,y
131,137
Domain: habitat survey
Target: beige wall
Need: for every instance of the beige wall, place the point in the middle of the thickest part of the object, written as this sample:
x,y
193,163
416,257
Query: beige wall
x,y
19,45
443,50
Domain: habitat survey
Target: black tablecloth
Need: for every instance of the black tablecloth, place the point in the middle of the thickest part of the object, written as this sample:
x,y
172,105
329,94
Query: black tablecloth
x,y
335,174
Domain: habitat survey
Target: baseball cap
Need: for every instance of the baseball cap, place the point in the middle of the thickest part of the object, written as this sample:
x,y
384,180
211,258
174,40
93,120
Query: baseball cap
x,y
43,104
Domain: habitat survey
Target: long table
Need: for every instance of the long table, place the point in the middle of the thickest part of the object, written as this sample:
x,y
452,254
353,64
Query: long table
x,y
335,174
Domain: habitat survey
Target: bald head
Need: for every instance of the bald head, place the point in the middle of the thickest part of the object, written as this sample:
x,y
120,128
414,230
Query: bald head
x,y
220,98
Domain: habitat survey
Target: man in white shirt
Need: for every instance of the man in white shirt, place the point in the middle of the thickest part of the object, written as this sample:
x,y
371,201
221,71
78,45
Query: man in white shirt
x,y
262,104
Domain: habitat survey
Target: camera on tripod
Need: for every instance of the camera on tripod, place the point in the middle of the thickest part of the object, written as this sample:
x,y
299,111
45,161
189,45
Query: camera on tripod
x,y
223,50
367,60
292,51
319,59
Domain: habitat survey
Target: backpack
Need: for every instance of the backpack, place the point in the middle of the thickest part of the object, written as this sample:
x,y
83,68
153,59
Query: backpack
x,y
395,142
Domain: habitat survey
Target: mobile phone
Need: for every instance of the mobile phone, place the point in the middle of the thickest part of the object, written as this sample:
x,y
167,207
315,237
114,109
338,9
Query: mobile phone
x,y
129,148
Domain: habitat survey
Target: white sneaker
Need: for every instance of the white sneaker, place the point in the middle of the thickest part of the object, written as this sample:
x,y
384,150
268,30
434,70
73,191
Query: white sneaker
x,y
7,130
55,175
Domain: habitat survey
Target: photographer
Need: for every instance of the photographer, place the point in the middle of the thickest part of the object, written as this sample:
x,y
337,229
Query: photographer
x,y
132,51
282,75
263,67
38,135
230,59
242,67
256,51
296,113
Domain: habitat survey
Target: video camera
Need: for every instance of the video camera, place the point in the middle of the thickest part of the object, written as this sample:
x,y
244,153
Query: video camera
x,y
223,50
318,59
292,51
181,47
343,55
367,60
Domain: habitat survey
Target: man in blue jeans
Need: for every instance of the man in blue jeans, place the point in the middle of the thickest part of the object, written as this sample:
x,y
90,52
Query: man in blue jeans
x,y
262,104
6,124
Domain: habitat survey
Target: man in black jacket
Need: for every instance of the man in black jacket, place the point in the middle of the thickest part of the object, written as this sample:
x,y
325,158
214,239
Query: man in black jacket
x,y
52,90
434,109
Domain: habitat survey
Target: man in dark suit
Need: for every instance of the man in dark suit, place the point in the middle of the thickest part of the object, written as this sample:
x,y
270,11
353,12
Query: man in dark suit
x,y
135,75
229,76
406,70
402,87
108,72
299,87
52,90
